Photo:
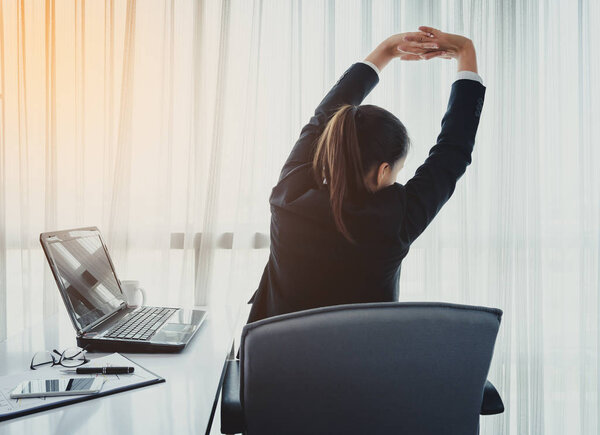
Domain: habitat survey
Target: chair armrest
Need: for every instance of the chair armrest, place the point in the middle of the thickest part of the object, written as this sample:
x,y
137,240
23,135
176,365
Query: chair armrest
x,y
232,416
492,402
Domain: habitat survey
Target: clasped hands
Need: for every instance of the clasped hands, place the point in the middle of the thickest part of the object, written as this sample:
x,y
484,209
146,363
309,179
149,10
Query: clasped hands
x,y
427,43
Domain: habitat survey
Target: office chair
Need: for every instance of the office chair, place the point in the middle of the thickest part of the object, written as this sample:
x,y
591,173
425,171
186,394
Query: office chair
x,y
377,368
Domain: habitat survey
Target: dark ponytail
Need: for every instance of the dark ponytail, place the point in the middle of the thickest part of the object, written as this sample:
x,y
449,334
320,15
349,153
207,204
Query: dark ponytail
x,y
354,140
337,161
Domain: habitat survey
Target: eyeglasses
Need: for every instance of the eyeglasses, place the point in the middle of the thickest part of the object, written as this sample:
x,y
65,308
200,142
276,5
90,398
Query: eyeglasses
x,y
71,357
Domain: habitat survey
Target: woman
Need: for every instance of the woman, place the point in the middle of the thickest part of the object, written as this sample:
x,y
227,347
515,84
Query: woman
x,y
340,224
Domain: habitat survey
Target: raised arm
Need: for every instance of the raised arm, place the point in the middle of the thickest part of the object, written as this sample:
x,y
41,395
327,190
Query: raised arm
x,y
436,178
354,86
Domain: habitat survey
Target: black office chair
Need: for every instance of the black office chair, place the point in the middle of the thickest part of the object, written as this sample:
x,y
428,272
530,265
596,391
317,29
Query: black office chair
x,y
401,368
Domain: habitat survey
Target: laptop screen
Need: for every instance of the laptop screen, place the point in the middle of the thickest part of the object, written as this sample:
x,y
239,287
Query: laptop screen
x,y
87,279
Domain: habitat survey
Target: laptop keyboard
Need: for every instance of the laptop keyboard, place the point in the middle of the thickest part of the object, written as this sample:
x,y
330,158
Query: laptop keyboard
x,y
142,325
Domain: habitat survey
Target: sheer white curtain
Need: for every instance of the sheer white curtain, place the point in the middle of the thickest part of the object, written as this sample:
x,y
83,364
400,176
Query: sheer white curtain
x,y
136,117
165,123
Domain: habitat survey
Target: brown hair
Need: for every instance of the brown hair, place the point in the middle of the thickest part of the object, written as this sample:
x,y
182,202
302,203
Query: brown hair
x,y
355,139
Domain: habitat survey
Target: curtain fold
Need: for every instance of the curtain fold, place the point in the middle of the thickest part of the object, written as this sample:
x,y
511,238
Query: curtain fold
x,y
50,297
166,124
121,188
3,286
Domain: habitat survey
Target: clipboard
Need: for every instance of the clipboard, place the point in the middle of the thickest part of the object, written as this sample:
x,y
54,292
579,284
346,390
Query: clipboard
x,y
13,408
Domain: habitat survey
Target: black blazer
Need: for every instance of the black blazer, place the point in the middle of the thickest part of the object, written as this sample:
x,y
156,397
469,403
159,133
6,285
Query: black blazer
x,y
311,264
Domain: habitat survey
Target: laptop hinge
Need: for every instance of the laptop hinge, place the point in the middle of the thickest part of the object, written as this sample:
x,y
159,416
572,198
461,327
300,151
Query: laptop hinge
x,y
101,319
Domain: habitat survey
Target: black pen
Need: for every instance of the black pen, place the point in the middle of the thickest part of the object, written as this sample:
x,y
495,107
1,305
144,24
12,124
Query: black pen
x,y
101,370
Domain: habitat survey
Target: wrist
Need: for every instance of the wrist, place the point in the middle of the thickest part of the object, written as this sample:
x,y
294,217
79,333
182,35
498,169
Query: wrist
x,y
382,55
466,48
466,57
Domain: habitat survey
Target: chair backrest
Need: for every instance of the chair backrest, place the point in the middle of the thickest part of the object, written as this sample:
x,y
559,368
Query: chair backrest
x,y
402,368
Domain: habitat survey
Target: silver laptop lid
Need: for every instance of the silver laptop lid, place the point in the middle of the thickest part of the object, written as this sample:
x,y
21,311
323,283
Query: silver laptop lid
x,y
84,274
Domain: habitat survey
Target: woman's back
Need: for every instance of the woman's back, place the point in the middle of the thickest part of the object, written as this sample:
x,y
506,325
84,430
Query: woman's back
x,y
312,264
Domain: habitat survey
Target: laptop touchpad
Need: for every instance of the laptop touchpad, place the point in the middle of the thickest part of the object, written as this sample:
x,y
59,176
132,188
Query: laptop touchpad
x,y
174,332
177,327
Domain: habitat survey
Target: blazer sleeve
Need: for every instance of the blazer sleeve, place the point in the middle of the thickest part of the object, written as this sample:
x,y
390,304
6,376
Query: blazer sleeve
x,y
435,180
351,88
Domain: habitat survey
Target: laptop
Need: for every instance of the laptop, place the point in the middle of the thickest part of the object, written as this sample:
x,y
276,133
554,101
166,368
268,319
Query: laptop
x,y
92,294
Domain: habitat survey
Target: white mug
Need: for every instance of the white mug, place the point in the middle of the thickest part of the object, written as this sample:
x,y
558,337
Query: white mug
x,y
134,294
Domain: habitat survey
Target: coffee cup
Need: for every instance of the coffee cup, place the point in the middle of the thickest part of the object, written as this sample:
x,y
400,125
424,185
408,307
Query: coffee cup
x,y
135,295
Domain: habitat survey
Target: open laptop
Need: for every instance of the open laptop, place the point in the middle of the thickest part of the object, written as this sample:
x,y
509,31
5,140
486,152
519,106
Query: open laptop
x,y
92,293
